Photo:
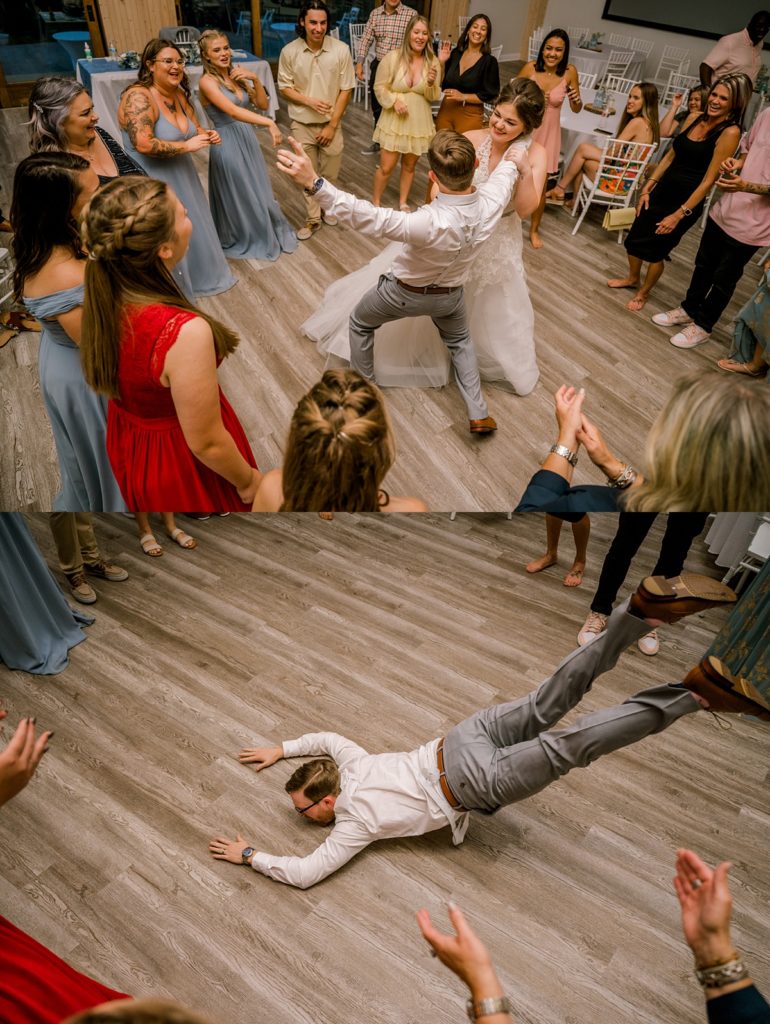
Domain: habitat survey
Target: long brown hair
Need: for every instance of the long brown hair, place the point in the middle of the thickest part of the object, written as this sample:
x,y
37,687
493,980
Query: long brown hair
x,y
149,54
123,227
649,111
340,447
45,189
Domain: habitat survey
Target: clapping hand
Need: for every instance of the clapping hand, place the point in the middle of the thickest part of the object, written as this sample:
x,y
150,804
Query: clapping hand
x,y
704,896
22,755
569,410
401,108
432,73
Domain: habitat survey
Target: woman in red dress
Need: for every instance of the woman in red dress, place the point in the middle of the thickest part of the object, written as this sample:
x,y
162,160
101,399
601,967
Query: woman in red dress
x,y
173,440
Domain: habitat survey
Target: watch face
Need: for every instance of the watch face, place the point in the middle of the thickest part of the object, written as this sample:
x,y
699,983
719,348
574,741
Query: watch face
x,y
245,854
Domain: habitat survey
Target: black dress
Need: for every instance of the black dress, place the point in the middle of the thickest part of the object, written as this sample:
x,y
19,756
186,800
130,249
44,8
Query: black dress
x,y
123,162
685,173
483,77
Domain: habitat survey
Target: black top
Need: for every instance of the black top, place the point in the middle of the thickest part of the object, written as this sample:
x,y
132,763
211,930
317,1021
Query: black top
x,y
123,162
549,492
483,78
746,1006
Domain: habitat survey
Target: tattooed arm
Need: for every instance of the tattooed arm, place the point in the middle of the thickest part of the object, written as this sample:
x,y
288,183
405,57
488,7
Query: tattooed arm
x,y
138,116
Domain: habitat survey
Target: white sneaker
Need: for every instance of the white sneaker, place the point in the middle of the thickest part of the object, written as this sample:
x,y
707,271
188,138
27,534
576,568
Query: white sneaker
x,y
649,644
690,337
672,317
330,219
595,624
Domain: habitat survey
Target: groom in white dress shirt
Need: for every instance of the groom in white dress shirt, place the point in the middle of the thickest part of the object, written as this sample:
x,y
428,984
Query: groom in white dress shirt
x,y
427,275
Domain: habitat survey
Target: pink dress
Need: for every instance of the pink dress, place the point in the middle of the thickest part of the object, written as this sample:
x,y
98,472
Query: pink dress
x,y
549,132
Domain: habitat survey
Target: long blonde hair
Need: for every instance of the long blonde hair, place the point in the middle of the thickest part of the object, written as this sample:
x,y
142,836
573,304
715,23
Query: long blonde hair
x,y
406,52
709,448
340,447
123,227
209,67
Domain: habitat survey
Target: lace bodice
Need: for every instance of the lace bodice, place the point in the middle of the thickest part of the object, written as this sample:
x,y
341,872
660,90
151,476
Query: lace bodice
x,y
503,248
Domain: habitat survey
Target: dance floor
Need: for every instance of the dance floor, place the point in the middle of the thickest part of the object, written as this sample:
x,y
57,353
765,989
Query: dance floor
x,y
584,337
388,630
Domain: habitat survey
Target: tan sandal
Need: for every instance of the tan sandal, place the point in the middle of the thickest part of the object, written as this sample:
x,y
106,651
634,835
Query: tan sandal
x,y
6,333
150,546
733,366
184,540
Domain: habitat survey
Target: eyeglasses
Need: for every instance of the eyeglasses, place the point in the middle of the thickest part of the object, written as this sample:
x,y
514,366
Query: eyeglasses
x,y
168,61
301,810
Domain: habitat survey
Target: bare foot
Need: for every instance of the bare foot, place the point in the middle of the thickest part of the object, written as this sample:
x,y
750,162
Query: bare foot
x,y
575,576
622,282
538,564
536,240
328,516
637,302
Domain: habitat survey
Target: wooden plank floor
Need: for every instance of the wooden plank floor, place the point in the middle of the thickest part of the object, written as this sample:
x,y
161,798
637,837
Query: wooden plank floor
x,y
388,629
584,337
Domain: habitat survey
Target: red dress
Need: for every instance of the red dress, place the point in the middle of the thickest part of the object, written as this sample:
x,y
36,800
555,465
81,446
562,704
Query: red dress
x,y
155,469
39,988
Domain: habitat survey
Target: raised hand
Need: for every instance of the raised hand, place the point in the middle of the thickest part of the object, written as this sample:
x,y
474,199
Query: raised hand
x,y
704,896
19,760
296,164
260,757
463,953
444,51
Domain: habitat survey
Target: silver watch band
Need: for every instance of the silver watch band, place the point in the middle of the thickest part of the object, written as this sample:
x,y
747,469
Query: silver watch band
x,y
486,1007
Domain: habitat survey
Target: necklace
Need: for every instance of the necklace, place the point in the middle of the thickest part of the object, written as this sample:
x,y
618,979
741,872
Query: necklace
x,y
86,152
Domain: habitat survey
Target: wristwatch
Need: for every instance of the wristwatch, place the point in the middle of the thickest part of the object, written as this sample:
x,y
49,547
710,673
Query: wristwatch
x,y
687,212
314,187
563,450
486,1007
247,852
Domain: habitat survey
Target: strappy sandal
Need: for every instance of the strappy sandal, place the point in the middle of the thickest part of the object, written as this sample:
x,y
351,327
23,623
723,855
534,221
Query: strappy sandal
x,y
150,546
184,540
743,368
6,333
19,320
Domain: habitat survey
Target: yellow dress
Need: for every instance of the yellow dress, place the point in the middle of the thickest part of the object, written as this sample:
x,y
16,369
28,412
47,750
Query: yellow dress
x,y
412,132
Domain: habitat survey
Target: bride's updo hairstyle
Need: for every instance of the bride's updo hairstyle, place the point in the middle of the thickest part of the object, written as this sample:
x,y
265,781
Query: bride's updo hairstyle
x,y
340,447
528,99
123,227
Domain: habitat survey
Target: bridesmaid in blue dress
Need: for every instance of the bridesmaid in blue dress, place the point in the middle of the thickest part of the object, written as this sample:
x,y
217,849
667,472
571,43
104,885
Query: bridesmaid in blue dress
x,y
37,626
50,190
247,217
161,132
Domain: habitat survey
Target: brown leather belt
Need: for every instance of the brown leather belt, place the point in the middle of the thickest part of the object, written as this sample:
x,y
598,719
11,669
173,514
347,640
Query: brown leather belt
x,y
445,789
427,289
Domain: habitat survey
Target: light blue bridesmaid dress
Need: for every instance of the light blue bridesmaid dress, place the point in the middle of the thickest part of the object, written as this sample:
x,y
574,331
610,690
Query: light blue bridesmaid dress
x,y
37,626
78,415
204,269
248,220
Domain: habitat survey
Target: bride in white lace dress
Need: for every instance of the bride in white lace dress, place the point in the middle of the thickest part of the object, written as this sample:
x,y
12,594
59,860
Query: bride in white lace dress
x,y
410,353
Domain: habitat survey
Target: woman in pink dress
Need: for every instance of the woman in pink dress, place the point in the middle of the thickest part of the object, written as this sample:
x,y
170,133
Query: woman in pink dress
x,y
559,81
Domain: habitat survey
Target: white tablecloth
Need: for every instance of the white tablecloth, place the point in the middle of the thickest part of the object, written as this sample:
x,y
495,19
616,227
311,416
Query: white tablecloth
x,y
583,126
107,86
592,62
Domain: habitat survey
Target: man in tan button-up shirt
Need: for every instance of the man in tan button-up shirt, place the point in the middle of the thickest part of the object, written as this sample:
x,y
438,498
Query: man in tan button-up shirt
x,y
315,74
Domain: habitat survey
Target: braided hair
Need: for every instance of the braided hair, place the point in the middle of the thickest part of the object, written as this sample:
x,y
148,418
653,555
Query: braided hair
x,y
340,447
123,226
45,190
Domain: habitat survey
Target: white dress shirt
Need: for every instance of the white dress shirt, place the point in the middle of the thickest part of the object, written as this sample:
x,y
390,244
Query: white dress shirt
x,y
382,796
441,237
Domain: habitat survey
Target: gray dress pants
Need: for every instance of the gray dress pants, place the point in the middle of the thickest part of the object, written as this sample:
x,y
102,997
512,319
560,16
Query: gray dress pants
x,y
510,751
389,301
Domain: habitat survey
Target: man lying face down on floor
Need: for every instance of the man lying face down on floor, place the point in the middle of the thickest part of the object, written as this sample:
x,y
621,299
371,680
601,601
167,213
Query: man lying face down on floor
x,y
498,756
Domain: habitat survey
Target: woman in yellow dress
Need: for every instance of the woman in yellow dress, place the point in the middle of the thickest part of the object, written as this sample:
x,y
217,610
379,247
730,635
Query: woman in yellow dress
x,y
408,81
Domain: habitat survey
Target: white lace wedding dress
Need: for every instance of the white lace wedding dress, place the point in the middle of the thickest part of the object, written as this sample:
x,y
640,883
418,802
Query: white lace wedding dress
x,y
410,353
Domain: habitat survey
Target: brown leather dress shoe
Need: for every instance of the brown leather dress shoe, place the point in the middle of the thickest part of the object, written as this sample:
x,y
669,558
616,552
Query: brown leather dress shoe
x,y
485,426
712,680
669,600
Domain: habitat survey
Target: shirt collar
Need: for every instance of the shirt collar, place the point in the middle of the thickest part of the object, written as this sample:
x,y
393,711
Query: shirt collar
x,y
323,45
445,199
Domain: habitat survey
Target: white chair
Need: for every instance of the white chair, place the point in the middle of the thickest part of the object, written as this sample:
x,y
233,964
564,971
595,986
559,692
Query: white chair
x,y
620,170
613,83
462,21
616,39
644,46
673,58
361,90
334,32
618,63
497,51
535,41
677,83
755,556
187,34
578,34
587,81
6,276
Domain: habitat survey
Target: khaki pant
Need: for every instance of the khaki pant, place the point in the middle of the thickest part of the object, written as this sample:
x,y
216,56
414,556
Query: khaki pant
x,y
73,534
326,159
460,117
